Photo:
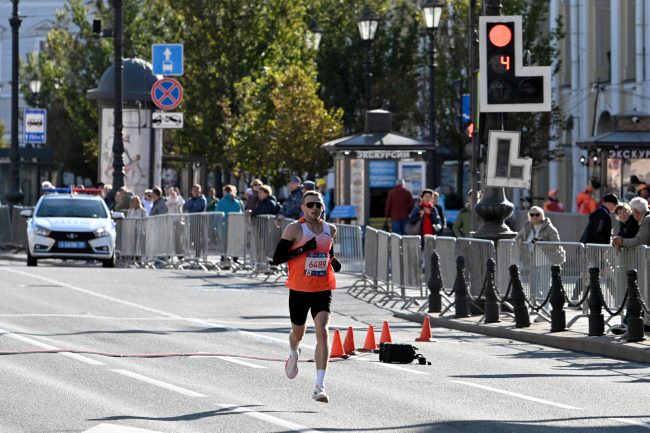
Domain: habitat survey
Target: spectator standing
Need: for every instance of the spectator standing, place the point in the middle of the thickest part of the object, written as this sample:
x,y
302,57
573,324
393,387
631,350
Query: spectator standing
x,y
252,194
599,227
174,201
308,185
463,224
159,207
552,203
399,205
321,185
426,211
122,200
267,205
628,226
641,214
586,202
147,200
441,215
538,228
229,203
197,202
451,200
136,210
643,191
211,200
291,207
107,196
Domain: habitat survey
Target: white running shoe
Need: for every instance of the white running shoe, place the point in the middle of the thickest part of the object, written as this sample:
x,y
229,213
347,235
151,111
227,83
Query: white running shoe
x,y
291,366
320,395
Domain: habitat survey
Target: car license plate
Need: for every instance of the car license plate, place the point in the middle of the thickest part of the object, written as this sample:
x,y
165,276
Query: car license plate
x,y
72,244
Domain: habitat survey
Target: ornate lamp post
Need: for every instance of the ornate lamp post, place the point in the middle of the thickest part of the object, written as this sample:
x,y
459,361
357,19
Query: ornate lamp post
x,y
367,23
14,196
432,11
35,88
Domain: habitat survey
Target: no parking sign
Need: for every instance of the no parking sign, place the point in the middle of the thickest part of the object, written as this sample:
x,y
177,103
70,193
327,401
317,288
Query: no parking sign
x,y
167,93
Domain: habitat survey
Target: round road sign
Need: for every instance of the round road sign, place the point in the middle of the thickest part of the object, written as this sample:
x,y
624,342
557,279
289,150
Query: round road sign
x,y
167,93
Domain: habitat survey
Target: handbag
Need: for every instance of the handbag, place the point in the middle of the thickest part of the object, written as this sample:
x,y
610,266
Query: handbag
x,y
413,228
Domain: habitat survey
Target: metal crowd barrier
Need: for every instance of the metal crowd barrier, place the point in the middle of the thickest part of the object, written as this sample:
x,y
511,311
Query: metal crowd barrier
x,y
476,253
19,226
237,238
6,230
348,247
446,248
369,277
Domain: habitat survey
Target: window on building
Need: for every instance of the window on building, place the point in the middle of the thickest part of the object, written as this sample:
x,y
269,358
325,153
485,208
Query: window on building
x,y
602,47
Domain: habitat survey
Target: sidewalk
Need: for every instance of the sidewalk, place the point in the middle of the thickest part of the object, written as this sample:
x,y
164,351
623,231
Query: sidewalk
x,y
576,338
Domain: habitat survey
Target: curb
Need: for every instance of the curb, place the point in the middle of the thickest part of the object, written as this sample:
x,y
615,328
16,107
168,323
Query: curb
x,y
607,346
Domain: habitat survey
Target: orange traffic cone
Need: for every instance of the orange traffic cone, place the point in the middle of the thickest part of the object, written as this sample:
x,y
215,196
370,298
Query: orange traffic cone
x,y
370,343
425,334
385,334
348,343
337,347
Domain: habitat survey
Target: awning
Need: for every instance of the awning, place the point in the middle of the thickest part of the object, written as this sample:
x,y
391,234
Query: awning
x,y
618,140
377,141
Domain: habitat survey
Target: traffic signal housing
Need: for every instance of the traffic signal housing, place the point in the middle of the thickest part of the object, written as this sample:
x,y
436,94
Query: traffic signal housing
x,y
505,85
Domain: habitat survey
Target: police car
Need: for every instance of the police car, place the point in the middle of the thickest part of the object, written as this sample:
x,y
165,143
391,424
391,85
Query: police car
x,y
71,226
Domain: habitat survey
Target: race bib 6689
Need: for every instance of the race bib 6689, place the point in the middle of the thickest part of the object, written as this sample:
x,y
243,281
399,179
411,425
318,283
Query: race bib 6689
x,y
316,264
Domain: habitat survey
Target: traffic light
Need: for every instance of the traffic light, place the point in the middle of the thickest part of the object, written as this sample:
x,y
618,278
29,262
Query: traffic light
x,y
505,84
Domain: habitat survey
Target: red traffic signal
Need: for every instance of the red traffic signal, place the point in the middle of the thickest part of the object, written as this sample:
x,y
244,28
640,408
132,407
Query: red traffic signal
x,y
505,85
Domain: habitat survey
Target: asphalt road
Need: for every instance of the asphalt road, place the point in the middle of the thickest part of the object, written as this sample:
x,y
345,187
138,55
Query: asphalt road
x,y
475,383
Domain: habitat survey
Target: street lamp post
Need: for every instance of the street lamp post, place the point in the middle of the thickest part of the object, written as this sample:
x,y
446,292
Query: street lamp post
x,y
14,196
367,23
35,88
118,70
432,11
313,36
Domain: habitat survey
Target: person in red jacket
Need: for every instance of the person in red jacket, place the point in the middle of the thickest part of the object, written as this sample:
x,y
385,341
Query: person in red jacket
x,y
398,207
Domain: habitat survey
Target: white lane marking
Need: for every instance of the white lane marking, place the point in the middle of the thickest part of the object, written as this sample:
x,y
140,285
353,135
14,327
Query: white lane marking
x,y
36,343
284,342
239,361
114,428
268,418
632,422
395,367
159,383
514,394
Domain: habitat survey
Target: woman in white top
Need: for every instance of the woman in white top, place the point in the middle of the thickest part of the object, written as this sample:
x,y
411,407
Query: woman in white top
x,y
136,210
174,201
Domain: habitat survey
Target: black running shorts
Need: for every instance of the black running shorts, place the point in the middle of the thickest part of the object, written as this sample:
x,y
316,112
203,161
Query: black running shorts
x,y
301,302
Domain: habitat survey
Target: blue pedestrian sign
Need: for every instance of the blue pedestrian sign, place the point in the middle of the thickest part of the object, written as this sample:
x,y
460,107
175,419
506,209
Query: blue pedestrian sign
x,y
167,59
466,109
34,125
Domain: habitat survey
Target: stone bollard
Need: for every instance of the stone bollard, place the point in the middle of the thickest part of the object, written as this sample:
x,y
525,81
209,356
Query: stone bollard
x,y
518,298
557,301
461,293
634,320
492,304
435,285
595,302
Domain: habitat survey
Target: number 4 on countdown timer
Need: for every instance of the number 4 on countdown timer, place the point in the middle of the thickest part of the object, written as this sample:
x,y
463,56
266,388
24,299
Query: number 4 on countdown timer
x,y
505,84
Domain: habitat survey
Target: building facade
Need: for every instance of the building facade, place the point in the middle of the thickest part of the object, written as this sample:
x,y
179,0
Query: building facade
x,y
603,73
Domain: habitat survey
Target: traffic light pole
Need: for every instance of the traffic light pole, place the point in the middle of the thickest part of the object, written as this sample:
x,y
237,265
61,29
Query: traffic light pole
x,y
473,54
494,208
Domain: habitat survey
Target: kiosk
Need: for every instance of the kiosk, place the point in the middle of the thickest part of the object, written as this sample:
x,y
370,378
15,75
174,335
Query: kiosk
x,y
367,165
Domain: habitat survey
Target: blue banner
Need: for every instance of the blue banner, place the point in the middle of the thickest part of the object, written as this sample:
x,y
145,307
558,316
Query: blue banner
x,y
382,174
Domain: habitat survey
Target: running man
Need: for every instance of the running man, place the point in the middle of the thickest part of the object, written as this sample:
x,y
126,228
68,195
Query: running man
x,y
308,248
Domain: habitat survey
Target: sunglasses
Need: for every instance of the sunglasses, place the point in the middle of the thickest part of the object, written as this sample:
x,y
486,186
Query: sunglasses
x,y
535,214
311,204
